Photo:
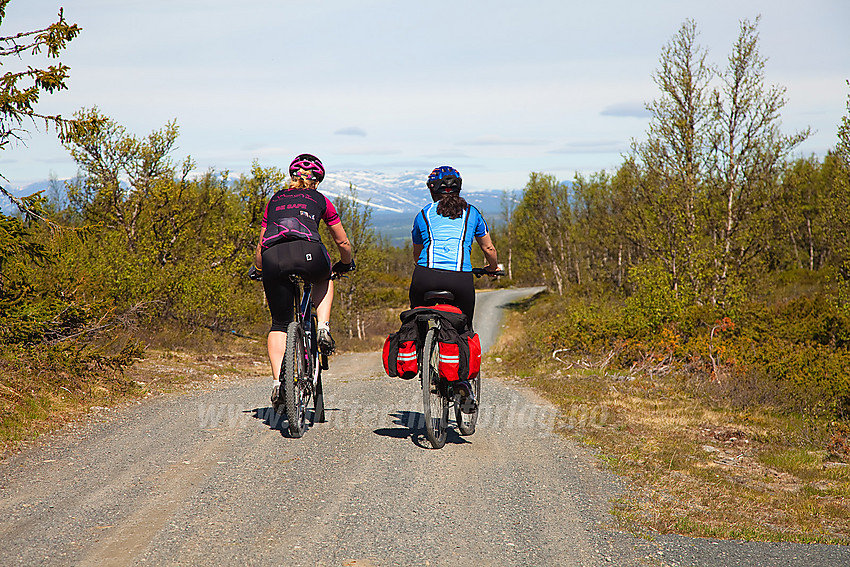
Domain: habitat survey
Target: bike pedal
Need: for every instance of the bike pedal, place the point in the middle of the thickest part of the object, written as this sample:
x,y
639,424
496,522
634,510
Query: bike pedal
x,y
468,405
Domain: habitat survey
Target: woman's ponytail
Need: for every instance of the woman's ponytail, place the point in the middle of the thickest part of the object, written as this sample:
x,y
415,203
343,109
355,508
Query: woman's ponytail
x,y
451,205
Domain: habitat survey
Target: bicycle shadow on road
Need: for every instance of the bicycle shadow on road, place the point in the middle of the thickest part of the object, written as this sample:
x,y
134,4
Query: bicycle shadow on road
x,y
270,418
413,427
276,421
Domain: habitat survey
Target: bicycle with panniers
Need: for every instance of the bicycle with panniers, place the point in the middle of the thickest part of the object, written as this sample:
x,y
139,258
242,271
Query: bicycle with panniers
x,y
437,344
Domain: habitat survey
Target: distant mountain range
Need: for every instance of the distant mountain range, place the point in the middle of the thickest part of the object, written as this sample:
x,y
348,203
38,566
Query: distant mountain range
x,y
394,198
398,193
7,207
385,193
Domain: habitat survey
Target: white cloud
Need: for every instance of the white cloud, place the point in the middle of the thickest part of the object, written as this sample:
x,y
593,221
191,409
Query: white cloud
x,y
350,131
626,109
592,147
502,141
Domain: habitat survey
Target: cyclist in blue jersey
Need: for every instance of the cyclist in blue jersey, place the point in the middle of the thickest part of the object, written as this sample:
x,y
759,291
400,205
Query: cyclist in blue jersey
x,y
290,244
443,233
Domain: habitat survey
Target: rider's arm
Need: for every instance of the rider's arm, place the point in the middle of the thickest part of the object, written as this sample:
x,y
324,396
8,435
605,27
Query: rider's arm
x,y
258,256
417,250
489,250
341,240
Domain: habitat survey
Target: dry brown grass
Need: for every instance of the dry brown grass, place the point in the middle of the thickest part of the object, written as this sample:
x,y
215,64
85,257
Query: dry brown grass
x,y
31,405
696,467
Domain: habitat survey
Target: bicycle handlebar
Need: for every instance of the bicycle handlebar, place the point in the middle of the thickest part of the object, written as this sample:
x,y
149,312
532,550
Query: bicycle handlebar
x,y
257,275
485,272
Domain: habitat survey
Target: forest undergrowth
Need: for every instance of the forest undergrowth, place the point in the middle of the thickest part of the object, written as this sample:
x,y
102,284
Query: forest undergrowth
x,y
711,442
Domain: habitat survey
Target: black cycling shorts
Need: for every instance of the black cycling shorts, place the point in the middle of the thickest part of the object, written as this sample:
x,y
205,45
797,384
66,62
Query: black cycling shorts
x,y
307,259
460,284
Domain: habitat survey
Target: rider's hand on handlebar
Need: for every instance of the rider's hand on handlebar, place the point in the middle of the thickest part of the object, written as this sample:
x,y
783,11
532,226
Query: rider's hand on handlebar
x,y
342,268
500,270
255,273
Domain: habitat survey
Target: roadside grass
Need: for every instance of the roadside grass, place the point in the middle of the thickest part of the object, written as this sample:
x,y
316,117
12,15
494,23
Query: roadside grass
x,y
695,466
42,390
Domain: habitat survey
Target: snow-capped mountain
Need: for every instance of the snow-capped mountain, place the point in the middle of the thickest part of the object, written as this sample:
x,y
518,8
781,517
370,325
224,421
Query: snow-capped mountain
x,y
396,193
388,193
7,207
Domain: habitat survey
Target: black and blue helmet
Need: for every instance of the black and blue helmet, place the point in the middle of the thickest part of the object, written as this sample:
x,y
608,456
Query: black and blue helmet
x,y
444,179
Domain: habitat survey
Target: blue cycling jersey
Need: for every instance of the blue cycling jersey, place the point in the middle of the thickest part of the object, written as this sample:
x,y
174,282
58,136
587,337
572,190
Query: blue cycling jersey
x,y
447,243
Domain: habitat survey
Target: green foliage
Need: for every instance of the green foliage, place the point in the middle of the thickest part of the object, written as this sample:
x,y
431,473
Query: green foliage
x,y
654,301
20,90
793,354
543,231
177,243
731,258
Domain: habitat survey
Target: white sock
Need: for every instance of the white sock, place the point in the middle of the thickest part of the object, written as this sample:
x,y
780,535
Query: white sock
x,y
324,325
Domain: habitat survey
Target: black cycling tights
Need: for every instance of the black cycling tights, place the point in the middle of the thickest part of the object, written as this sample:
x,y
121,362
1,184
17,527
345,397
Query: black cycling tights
x,y
307,259
431,279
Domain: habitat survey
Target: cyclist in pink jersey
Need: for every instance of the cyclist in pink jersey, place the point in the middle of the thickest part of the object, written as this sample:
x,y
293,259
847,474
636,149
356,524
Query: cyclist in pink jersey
x,y
290,244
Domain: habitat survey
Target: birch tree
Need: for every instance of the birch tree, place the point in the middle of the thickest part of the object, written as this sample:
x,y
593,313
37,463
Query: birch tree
x,y
748,153
673,160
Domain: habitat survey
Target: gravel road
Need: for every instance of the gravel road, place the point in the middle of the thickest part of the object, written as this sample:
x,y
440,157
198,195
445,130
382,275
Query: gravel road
x,y
209,476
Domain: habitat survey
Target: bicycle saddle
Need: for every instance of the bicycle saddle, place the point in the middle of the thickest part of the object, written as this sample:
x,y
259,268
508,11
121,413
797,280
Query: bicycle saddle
x,y
439,296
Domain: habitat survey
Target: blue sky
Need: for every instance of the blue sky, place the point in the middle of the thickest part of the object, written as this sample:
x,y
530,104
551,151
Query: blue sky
x,y
498,89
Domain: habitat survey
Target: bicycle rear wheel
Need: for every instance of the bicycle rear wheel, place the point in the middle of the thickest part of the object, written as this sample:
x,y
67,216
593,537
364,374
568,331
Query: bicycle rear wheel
x,y
295,379
436,405
466,421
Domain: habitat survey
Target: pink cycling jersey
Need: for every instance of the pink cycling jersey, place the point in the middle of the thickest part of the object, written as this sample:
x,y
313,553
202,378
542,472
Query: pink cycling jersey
x,y
294,214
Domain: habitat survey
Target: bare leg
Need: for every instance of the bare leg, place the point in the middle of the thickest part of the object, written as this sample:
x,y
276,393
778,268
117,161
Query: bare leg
x,y
323,297
277,346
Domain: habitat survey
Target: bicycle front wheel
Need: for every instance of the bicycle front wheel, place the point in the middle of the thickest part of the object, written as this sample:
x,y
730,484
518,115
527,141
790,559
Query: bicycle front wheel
x,y
295,379
436,404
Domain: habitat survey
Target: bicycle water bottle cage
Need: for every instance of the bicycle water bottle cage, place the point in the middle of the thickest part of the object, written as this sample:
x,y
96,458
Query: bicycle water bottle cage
x,y
439,296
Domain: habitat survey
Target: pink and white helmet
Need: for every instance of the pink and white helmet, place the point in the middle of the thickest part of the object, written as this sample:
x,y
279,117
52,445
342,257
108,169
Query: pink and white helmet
x,y
307,166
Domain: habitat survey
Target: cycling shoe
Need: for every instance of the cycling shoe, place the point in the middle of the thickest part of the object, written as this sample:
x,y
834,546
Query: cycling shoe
x,y
326,341
465,397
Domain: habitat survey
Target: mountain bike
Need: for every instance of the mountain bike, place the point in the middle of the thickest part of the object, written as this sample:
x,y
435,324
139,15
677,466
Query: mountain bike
x,y
303,362
439,394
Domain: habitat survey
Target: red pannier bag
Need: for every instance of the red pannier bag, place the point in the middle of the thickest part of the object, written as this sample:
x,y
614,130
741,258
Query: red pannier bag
x,y
460,355
399,356
449,363
459,348
474,344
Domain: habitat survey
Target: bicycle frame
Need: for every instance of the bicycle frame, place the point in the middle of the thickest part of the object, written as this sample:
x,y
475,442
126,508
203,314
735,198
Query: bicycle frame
x,y
304,313
301,372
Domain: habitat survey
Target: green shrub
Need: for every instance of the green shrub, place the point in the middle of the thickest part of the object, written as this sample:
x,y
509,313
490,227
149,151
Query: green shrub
x,y
787,352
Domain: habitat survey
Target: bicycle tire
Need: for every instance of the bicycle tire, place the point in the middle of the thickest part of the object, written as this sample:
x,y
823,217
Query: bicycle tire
x,y
296,390
435,403
319,405
466,421
318,365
